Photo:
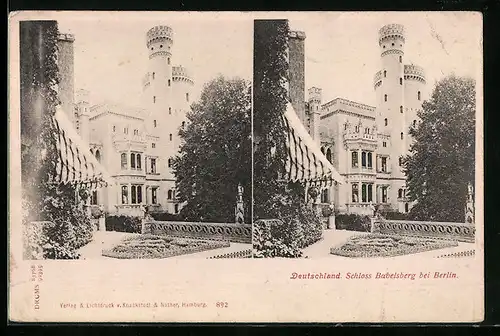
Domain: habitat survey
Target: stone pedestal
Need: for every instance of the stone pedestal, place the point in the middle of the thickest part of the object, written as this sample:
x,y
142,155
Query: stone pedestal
x,y
331,222
374,224
102,223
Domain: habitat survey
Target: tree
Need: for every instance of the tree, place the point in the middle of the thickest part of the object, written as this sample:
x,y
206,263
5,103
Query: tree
x,y
441,160
216,153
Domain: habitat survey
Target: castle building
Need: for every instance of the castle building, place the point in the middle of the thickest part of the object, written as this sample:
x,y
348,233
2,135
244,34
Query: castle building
x,y
137,145
366,143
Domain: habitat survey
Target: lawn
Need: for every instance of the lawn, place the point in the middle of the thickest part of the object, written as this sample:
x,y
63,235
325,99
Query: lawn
x,y
382,245
152,247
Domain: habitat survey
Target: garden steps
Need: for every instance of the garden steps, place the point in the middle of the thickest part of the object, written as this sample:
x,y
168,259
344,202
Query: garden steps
x,y
235,247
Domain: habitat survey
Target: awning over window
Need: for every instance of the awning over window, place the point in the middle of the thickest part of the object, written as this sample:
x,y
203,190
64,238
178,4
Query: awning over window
x,y
305,162
76,164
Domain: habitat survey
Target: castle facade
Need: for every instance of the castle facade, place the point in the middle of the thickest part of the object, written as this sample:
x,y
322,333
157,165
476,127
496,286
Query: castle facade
x,y
365,143
136,146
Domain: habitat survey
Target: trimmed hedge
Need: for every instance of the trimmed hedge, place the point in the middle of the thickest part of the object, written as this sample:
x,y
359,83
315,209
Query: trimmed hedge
x,y
165,216
123,224
352,222
394,215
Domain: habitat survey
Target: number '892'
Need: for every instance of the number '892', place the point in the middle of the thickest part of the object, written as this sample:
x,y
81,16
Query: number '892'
x,y
222,305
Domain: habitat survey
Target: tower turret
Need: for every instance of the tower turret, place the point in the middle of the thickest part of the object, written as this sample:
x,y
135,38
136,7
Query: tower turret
x,y
389,87
314,112
414,95
82,114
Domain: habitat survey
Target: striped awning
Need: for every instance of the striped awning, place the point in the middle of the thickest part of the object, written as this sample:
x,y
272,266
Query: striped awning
x,y
76,164
305,162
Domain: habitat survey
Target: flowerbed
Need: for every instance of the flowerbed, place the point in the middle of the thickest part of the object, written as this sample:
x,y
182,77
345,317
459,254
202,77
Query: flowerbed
x,y
153,247
382,245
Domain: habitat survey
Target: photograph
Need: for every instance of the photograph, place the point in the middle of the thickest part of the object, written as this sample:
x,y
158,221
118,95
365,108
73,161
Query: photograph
x,y
364,137
136,139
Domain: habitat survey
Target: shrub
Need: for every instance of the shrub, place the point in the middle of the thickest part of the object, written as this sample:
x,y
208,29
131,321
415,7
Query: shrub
x,y
124,224
394,215
266,245
352,222
165,216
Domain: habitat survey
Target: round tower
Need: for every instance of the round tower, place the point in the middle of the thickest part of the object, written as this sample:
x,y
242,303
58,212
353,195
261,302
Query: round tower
x,y
157,83
183,93
389,88
414,95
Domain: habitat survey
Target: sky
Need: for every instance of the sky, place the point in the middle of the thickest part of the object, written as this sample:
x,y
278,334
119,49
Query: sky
x,y
111,57
343,55
342,52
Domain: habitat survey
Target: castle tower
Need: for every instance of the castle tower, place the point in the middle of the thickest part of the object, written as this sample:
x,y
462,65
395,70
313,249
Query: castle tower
x,y
389,88
183,98
297,84
66,59
414,95
314,113
158,96
82,114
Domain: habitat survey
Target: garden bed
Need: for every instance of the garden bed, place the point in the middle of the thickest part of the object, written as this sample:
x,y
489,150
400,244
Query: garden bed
x,y
383,245
154,247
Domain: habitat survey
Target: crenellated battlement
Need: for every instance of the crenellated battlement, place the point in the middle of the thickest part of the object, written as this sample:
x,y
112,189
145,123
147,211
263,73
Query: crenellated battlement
x,y
66,37
180,73
377,79
391,31
159,34
297,34
414,72
314,95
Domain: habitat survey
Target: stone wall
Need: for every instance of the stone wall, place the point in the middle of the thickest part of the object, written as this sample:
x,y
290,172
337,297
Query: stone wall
x,y
238,233
443,230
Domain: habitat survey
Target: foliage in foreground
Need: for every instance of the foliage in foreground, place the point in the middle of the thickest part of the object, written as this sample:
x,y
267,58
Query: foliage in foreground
x,y
215,155
442,158
42,199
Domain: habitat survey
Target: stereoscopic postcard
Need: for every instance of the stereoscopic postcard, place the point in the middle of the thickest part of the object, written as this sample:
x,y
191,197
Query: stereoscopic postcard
x,y
245,167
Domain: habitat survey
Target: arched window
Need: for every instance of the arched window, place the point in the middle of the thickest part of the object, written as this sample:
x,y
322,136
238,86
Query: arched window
x,y
133,195
132,160
354,158
169,82
385,122
400,193
369,157
406,207
400,161
124,194
401,109
176,208
329,155
153,75
154,99
400,59
114,128
385,73
154,123
187,97
139,161
323,150
169,110
183,124
414,123
385,97
168,61
169,162
170,136
169,194
93,197
98,155
401,135
124,160
355,193
419,96
400,81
